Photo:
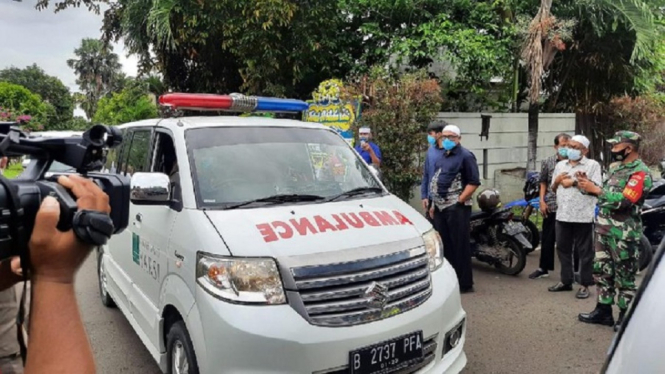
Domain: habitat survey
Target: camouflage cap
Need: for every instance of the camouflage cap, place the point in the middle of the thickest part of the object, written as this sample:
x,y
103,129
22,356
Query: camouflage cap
x,y
625,137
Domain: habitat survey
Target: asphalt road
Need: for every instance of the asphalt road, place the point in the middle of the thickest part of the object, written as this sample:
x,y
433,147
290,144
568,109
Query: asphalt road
x,y
514,326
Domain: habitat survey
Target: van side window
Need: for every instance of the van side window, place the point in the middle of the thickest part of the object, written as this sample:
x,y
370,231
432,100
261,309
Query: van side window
x,y
165,161
114,155
137,158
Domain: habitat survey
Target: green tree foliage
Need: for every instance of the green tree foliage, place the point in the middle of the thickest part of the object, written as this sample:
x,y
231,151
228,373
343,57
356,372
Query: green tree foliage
x,y
609,45
98,72
397,110
274,47
77,124
17,101
613,52
643,114
476,38
128,105
51,90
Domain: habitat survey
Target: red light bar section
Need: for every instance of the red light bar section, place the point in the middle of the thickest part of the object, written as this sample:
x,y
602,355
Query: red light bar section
x,y
196,101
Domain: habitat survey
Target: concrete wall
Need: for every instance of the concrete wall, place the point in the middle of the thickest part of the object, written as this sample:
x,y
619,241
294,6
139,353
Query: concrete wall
x,y
506,147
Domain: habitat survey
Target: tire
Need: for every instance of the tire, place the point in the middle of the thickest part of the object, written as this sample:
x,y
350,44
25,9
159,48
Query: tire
x,y
532,234
179,346
517,251
107,300
645,253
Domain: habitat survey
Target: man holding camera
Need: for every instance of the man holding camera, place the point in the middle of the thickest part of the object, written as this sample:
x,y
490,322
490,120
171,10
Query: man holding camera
x,y
368,150
55,258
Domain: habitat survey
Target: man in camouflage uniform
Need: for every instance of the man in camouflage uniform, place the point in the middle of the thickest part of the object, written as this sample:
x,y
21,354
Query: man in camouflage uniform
x,y
618,228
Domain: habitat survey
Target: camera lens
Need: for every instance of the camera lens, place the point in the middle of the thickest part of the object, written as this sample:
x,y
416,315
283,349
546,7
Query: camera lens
x,y
96,135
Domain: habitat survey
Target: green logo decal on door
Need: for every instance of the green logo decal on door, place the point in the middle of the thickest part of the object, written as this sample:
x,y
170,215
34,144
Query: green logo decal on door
x,y
135,249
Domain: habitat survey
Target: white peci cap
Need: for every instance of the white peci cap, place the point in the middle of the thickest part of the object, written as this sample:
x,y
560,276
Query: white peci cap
x,y
452,128
582,140
364,130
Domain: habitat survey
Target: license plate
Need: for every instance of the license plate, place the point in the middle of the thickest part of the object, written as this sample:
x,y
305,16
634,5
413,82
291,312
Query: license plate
x,y
389,356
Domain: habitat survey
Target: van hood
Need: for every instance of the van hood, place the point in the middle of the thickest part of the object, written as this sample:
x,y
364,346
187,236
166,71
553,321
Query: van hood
x,y
293,230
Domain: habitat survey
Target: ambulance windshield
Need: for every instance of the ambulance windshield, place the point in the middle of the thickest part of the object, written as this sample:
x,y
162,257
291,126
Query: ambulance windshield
x,y
231,165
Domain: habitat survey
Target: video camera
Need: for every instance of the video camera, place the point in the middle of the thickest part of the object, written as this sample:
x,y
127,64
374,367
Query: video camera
x,y
20,198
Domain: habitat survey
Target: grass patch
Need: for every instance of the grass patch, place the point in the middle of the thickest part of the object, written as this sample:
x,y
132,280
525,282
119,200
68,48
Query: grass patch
x,y
13,171
535,217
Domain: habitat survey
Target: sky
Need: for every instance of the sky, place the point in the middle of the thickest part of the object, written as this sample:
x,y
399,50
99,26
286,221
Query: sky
x,y
29,36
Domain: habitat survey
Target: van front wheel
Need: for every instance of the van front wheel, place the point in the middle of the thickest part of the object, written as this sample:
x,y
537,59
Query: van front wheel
x,y
181,357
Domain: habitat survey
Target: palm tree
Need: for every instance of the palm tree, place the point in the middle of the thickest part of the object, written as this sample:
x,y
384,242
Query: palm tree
x,y
546,36
98,70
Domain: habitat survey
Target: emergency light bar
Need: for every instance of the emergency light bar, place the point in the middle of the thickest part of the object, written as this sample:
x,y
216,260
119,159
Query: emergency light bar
x,y
233,102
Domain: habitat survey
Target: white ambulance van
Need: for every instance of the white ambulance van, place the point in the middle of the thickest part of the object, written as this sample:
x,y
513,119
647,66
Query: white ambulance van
x,y
262,245
637,347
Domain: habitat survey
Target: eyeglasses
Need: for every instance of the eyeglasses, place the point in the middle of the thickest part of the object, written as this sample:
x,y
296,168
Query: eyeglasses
x,y
450,137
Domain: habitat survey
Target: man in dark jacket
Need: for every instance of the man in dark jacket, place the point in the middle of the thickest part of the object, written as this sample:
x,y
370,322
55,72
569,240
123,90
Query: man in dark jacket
x,y
434,153
455,180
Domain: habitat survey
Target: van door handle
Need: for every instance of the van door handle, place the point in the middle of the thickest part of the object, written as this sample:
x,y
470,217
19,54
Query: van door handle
x,y
179,256
139,217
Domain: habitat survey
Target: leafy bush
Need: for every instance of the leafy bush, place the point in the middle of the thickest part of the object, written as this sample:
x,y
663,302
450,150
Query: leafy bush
x,y
49,88
76,124
17,101
128,105
398,109
642,114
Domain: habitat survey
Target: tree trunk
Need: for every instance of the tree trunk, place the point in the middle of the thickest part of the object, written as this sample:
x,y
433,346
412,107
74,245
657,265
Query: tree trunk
x,y
532,151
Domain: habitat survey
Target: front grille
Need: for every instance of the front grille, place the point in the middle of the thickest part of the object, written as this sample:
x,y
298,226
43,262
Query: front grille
x,y
334,294
429,354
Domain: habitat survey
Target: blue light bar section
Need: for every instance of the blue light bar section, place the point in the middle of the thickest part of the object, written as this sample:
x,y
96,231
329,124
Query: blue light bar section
x,y
271,104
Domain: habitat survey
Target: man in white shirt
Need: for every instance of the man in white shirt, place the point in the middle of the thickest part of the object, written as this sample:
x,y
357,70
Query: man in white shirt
x,y
575,215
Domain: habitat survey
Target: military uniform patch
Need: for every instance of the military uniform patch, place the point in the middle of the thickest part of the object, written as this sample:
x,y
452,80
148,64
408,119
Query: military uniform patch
x,y
634,187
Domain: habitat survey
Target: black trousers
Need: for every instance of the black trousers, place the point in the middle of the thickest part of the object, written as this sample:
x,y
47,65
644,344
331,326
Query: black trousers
x,y
548,242
454,226
571,236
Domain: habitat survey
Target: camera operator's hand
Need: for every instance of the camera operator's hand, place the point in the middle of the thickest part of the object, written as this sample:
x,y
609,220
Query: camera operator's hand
x,y
55,255
16,266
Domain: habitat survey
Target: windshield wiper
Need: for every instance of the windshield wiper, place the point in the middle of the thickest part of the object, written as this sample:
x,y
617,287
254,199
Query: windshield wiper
x,y
278,199
356,191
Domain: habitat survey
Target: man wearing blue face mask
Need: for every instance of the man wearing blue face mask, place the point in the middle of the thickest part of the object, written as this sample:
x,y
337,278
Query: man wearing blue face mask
x,y
434,153
575,215
455,180
369,151
548,206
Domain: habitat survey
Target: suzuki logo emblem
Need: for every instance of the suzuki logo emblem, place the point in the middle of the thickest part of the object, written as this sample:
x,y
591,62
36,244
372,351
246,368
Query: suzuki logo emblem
x,y
377,295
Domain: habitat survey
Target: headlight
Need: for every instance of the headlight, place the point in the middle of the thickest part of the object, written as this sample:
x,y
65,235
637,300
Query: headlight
x,y
434,248
241,280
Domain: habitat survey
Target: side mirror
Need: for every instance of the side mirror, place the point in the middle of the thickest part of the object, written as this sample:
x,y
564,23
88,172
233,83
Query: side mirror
x,y
150,189
375,171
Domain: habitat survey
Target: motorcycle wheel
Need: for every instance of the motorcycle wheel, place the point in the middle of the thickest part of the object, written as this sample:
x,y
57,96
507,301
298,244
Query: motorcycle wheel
x,y
514,248
645,254
532,234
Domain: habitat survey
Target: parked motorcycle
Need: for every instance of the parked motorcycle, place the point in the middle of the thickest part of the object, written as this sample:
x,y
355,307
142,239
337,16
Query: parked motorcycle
x,y
528,207
653,214
653,220
496,238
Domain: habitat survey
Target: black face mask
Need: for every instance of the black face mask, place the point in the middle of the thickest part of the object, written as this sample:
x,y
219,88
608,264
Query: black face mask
x,y
619,155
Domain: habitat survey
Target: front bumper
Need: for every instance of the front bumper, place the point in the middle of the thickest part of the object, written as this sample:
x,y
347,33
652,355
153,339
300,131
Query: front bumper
x,y
276,339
